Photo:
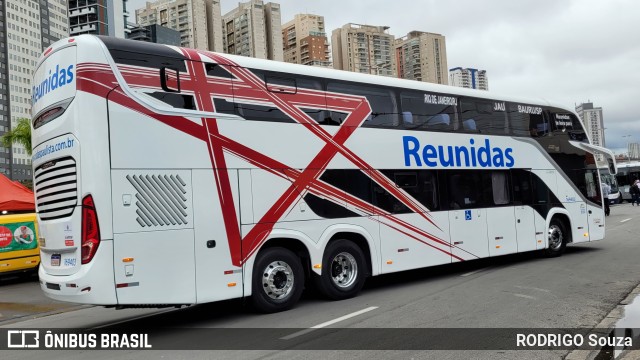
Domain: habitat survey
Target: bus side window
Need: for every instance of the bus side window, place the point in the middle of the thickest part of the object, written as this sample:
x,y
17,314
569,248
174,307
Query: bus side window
x,y
180,101
468,190
421,185
222,104
281,85
484,116
261,110
319,114
527,122
500,188
522,191
518,122
539,124
217,70
384,108
419,114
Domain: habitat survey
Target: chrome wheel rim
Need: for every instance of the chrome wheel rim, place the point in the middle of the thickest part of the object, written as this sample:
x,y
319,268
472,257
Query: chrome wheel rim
x,y
555,237
277,280
344,270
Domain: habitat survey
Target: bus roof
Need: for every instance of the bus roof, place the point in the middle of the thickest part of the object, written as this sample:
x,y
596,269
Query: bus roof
x,y
278,66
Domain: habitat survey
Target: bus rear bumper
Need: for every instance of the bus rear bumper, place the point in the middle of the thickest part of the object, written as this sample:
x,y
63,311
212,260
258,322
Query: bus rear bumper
x,y
92,284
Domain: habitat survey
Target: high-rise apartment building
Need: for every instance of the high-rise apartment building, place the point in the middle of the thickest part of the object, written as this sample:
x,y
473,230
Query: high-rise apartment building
x,y
26,29
634,151
98,17
214,25
469,78
305,41
194,19
422,56
253,29
363,48
156,34
593,122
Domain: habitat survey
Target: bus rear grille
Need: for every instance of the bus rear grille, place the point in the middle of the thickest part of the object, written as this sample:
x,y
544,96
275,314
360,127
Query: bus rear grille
x,y
56,188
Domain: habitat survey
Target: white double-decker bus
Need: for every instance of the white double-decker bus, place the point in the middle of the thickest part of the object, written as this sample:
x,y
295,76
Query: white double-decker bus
x,y
170,176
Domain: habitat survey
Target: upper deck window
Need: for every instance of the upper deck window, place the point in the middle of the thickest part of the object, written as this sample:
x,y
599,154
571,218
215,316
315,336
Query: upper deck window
x,y
483,116
384,108
527,120
426,111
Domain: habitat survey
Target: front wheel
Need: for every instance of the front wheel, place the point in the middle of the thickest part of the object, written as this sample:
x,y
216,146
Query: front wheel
x,y
344,269
557,236
278,280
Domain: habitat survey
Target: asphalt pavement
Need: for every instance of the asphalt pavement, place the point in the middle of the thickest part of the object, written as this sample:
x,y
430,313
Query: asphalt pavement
x,y
577,290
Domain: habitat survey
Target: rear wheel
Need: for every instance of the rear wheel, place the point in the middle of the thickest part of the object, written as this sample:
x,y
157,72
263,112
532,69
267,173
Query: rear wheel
x,y
344,269
278,280
557,236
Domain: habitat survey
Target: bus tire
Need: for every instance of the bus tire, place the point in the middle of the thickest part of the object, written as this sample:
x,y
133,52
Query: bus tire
x,y
344,270
557,238
278,280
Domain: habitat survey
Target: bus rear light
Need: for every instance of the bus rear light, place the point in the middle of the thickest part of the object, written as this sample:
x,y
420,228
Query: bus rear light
x,y
47,116
51,113
90,230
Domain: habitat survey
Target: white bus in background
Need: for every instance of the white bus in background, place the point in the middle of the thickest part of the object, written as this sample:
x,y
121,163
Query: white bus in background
x,y
627,174
168,176
615,194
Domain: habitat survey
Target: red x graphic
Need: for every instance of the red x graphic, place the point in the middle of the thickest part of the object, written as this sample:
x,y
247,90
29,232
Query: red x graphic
x,y
246,86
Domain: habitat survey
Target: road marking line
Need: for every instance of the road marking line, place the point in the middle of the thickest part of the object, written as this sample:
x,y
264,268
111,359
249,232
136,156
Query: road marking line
x,y
625,220
532,288
330,322
473,272
525,296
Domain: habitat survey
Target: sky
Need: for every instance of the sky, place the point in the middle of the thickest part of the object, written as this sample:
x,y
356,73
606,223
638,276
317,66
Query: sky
x,y
565,51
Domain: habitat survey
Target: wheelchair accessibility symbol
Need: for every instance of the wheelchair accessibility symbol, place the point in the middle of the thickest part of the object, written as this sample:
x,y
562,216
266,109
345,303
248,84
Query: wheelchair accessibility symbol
x,y
467,214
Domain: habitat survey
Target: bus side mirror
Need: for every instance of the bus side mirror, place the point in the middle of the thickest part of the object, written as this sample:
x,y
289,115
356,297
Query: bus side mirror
x,y
170,79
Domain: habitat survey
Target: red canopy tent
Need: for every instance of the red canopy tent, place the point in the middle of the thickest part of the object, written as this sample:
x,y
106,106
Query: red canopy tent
x,y
15,197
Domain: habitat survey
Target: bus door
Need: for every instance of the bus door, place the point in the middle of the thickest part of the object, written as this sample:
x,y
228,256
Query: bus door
x,y
501,221
525,215
595,207
467,201
544,185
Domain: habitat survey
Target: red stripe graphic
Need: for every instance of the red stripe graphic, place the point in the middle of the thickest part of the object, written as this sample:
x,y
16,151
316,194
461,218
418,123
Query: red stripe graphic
x,y
245,86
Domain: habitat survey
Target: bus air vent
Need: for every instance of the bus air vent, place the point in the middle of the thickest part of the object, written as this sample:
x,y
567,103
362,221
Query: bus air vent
x,y
55,184
160,200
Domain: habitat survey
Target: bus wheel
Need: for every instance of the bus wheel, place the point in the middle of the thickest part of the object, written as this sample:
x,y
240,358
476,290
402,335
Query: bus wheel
x,y
278,280
343,270
557,238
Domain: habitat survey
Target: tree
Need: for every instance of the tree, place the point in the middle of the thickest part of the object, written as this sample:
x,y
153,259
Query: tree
x,y
20,134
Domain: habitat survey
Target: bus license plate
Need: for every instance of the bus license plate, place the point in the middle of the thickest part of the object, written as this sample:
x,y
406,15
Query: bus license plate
x,y
55,259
